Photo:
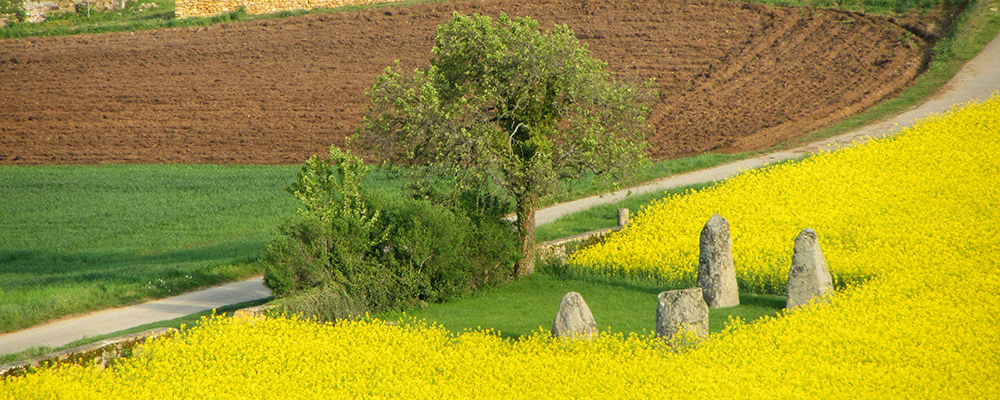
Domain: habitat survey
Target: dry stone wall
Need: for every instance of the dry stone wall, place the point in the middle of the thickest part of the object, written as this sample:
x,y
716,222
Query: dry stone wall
x,y
100,353
207,8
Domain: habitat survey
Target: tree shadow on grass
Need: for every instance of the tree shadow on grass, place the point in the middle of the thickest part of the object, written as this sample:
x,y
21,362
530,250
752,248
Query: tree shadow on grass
x,y
42,267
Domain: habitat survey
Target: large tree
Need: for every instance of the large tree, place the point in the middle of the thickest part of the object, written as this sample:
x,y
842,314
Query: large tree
x,y
507,103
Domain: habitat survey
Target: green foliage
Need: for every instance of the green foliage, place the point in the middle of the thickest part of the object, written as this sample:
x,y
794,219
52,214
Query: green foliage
x,y
351,251
240,14
331,188
508,103
329,303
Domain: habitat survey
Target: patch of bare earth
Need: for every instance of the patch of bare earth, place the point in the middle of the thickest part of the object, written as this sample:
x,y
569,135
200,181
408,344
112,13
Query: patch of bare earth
x,y
731,76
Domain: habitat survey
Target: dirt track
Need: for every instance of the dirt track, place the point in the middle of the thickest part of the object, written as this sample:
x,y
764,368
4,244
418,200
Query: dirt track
x,y
732,77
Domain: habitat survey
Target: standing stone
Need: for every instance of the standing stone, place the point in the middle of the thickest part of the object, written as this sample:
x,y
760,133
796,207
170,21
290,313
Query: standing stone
x,y
574,318
681,309
808,278
716,274
622,217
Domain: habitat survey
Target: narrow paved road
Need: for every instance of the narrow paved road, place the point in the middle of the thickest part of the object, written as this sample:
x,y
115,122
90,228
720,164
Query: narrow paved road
x,y
65,331
977,80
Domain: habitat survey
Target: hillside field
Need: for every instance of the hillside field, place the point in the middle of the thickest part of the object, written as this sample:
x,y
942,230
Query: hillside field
x,y
731,76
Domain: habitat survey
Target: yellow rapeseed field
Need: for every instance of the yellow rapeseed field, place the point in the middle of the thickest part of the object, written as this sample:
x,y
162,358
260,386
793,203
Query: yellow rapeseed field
x,y
869,204
918,214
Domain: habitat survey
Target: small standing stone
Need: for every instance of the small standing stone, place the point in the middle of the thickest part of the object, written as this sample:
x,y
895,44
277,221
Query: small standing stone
x,y
681,309
622,217
716,273
808,278
574,318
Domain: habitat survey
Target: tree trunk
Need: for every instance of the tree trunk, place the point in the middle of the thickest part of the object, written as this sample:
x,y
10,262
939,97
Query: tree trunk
x,y
526,232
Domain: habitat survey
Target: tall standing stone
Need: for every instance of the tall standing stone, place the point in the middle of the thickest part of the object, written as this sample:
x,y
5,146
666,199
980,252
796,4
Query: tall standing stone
x,y
574,318
808,277
681,309
716,273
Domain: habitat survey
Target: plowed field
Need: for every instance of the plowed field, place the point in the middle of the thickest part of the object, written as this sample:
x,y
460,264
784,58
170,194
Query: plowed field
x,y
732,77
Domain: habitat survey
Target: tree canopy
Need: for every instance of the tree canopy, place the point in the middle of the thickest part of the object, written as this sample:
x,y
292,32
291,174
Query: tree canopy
x,y
507,103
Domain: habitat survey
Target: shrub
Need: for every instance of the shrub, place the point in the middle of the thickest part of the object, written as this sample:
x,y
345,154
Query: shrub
x,y
323,303
350,251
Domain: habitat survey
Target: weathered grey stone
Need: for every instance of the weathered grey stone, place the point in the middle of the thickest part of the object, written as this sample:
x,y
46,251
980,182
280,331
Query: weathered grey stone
x,y
574,318
681,309
808,277
622,217
716,274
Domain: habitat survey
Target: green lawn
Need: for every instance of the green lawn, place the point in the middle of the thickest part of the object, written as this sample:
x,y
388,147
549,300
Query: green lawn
x,y
530,303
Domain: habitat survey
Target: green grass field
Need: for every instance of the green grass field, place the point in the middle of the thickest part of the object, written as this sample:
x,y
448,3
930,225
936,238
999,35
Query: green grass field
x,y
81,238
530,303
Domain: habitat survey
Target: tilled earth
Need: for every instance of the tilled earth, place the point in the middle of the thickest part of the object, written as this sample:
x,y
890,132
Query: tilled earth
x,y
731,77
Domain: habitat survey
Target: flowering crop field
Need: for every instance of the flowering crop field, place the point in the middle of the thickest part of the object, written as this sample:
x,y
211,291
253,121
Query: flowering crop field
x,y
872,206
917,214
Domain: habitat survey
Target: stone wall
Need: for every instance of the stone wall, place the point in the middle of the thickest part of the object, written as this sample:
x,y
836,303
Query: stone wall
x,y
207,8
557,250
102,353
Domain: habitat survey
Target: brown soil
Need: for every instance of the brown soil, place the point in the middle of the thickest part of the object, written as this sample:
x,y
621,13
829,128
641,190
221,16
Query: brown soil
x,y
732,77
